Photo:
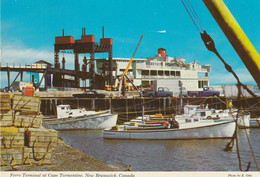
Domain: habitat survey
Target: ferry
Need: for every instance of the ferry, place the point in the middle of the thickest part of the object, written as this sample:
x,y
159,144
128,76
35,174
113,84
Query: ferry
x,y
162,69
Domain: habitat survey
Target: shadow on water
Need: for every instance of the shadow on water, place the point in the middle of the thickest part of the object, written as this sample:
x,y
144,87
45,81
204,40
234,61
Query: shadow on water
x,y
165,155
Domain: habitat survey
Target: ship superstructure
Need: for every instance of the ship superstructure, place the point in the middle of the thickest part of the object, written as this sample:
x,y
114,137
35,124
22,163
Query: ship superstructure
x,y
162,69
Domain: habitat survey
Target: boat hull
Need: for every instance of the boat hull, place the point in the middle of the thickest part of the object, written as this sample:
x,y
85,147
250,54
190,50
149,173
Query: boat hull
x,y
242,122
255,123
97,121
216,130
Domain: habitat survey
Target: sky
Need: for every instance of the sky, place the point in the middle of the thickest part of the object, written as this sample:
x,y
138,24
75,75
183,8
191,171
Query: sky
x,y
29,27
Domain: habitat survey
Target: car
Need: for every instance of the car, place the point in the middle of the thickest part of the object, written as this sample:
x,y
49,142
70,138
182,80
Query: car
x,y
90,94
6,89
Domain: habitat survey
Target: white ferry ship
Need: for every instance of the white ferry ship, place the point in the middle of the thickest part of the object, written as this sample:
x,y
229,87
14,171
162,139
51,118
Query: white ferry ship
x,y
165,70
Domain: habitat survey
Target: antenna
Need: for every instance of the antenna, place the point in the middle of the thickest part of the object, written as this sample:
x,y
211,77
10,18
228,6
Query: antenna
x,y
62,32
103,32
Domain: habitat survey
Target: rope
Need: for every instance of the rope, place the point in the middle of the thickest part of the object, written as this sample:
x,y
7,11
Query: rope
x,y
12,162
34,156
27,159
210,45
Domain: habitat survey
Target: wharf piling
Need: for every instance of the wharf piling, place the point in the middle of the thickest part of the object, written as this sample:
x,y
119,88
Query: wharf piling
x,y
128,108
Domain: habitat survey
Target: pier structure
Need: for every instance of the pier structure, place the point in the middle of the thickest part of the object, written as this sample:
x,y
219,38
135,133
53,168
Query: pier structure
x,y
128,108
84,45
46,70
21,68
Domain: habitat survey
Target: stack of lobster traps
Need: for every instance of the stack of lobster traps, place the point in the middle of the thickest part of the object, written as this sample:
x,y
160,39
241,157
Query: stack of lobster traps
x,y
23,140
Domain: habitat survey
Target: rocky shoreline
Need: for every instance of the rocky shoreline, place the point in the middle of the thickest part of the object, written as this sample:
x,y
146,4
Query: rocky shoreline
x,y
67,158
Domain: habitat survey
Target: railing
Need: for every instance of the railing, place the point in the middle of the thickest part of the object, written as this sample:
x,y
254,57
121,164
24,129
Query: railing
x,y
19,65
161,77
155,67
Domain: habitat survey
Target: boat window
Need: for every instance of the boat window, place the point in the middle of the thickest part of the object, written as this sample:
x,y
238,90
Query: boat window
x,y
62,108
196,120
203,114
188,120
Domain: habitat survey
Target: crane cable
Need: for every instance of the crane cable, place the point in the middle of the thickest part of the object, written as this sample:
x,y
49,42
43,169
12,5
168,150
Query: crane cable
x,y
210,45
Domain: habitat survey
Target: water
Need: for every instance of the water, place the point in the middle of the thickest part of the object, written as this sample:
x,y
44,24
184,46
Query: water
x,y
166,155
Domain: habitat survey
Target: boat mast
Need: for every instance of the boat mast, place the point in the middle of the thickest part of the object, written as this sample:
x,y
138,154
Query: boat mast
x,y
181,96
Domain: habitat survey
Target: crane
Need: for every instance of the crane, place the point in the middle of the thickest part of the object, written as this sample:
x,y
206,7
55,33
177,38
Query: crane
x,y
123,82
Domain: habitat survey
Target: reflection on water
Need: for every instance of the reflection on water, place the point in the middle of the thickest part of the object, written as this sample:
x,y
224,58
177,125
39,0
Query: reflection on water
x,y
166,155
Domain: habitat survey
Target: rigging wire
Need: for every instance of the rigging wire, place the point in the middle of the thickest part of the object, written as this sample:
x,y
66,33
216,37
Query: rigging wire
x,y
190,15
195,15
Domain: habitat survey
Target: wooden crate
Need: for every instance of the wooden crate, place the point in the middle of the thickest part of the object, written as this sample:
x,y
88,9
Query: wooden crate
x,y
28,120
39,156
5,103
6,119
11,137
26,104
13,156
41,137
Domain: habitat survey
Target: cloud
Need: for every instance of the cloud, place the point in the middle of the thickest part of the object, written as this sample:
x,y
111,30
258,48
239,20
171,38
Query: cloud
x,y
219,78
163,31
11,54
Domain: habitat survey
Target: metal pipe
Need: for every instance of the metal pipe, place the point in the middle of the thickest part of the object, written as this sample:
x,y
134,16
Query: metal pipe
x,y
103,33
236,36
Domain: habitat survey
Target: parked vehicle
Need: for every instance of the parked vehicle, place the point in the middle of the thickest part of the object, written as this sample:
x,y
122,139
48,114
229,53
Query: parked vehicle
x,y
162,92
207,91
90,94
6,89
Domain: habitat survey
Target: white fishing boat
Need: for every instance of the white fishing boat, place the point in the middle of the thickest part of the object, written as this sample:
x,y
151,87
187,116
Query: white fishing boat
x,y
184,126
75,119
189,128
243,121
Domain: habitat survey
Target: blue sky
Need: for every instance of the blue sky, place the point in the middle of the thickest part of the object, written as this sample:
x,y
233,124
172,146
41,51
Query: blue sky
x,y
29,27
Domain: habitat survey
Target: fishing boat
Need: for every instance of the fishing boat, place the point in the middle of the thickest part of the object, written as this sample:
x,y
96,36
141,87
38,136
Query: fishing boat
x,y
188,128
243,120
182,126
75,119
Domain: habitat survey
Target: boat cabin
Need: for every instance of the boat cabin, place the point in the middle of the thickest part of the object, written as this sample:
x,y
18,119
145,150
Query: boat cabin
x,y
191,109
63,111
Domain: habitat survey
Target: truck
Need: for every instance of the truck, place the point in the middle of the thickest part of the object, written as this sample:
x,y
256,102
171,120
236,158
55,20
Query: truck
x,y
162,92
207,91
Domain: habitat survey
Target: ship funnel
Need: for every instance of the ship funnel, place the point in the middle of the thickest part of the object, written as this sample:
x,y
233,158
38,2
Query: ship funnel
x,y
161,52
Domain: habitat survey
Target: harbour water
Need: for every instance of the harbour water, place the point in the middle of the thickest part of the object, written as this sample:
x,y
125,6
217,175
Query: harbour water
x,y
167,155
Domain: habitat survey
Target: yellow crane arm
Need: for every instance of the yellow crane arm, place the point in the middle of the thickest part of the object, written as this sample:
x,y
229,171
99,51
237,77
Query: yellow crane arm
x,y
236,36
129,63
